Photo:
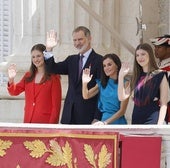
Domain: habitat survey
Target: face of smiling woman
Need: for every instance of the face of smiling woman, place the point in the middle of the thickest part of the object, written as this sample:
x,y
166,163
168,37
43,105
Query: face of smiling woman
x,y
142,58
110,68
37,58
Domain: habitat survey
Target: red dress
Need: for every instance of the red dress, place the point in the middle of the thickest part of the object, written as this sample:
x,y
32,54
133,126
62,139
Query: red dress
x,y
42,101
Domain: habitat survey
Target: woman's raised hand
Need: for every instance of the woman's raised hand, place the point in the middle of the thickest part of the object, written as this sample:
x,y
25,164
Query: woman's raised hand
x,y
12,71
124,69
86,77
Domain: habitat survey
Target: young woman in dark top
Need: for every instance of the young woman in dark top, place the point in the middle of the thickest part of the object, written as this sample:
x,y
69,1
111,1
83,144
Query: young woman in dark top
x,y
148,87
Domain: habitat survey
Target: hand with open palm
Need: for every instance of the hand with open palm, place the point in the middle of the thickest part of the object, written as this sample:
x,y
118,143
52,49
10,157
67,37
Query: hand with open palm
x,y
124,69
86,77
12,71
51,40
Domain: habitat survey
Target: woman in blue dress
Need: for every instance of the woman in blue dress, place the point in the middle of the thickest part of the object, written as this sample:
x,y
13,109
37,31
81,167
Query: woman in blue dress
x,y
148,87
107,87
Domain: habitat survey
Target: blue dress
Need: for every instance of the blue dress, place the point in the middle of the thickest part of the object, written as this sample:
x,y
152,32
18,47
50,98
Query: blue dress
x,y
146,98
108,102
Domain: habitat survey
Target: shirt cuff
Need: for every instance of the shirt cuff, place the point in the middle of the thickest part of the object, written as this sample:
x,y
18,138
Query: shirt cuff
x,y
47,54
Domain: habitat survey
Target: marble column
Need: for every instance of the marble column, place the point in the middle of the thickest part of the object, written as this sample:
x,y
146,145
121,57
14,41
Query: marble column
x,y
164,9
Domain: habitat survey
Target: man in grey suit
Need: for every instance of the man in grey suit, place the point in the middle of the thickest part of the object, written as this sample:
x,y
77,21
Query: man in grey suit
x,y
76,109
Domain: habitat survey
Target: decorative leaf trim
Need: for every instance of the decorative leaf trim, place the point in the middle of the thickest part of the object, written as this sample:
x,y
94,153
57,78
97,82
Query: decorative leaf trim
x,y
63,155
59,156
36,147
104,158
89,154
3,146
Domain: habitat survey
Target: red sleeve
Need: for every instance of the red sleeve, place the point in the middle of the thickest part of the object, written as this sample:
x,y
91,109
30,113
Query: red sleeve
x,y
56,98
16,89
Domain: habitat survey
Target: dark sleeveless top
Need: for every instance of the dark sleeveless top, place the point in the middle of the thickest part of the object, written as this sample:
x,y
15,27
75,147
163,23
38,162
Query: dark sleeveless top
x,y
146,98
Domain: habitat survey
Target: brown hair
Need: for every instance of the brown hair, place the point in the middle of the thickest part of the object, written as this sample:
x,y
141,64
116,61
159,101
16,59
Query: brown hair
x,y
33,68
137,69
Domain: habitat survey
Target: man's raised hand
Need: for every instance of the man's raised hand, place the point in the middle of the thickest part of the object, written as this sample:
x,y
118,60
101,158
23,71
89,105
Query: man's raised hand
x,y
51,40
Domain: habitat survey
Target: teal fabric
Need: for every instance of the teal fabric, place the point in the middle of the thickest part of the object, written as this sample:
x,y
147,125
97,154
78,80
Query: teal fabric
x,y
108,102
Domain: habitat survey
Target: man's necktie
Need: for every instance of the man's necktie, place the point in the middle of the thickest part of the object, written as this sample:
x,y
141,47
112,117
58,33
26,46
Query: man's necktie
x,y
80,64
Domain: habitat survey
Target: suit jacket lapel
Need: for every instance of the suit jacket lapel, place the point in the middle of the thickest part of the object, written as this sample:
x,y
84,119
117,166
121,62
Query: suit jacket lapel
x,y
77,79
89,60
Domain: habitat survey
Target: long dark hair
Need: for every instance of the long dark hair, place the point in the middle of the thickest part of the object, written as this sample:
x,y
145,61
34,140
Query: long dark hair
x,y
33,68
104,79
137,69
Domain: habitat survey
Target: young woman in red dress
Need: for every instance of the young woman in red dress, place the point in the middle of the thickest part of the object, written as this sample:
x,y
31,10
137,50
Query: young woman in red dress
x,y
42,89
